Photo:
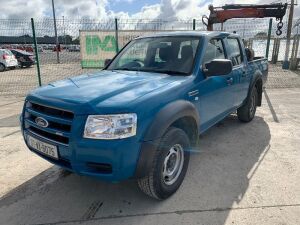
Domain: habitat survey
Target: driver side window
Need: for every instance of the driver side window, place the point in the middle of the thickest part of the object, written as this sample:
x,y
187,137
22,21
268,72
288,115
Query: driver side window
x,y
214,50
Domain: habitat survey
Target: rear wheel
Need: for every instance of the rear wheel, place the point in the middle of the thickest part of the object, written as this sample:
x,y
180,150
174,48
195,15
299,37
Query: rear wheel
x,y
2,67
247,112
169,166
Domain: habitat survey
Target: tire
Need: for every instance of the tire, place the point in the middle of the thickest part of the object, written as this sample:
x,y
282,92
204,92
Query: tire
x,y
247,111
2,67
173,151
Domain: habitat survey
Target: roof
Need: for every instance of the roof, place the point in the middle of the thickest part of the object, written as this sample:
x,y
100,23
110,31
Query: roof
x,y
188,33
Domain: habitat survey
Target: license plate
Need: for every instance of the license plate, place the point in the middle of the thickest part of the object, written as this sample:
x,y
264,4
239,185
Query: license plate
x,y
42,147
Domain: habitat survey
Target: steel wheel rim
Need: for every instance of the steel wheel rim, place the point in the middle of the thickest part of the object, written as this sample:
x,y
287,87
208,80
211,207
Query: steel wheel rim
x,y
173,164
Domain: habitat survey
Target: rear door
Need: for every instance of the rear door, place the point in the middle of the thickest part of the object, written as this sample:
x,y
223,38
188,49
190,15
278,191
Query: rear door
x,y
239,74
215,91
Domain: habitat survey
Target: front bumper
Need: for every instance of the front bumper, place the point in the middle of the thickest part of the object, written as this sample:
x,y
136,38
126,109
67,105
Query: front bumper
x,y
113,161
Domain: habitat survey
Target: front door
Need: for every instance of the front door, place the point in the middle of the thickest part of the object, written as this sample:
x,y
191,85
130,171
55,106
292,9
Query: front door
x,y
215,91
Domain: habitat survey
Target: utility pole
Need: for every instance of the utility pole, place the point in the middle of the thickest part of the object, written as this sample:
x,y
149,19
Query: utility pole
x,y
55,31
285,64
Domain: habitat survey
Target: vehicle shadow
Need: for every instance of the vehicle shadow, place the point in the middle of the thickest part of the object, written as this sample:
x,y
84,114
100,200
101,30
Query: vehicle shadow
x,y
219,173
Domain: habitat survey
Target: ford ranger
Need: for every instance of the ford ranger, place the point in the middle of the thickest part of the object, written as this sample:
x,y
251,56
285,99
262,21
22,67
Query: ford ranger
x,y
140,117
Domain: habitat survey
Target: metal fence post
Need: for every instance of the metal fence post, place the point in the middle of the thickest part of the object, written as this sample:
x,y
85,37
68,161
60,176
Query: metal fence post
x,y
55,32
269,38
286,63
116,35
294,60
36,53
194,24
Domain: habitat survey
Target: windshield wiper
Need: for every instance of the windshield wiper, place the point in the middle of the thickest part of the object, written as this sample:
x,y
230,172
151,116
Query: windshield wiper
x,y
169,72
125,68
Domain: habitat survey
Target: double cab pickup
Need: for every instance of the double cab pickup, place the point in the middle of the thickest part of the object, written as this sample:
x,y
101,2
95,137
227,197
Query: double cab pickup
x,y
140,117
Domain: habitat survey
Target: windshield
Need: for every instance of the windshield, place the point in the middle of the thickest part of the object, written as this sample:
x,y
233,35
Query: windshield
x,y
8,52
172,55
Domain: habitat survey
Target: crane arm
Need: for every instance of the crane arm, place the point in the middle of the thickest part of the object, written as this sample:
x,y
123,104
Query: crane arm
x,y
221,14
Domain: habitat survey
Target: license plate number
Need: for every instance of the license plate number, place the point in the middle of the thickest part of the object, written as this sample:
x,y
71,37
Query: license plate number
x,y
42,147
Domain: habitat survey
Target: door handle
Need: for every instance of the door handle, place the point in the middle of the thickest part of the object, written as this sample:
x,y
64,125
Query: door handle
x,y
230,81
244,74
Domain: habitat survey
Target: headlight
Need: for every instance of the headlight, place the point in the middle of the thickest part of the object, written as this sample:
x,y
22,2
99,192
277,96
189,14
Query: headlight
x,y
116,126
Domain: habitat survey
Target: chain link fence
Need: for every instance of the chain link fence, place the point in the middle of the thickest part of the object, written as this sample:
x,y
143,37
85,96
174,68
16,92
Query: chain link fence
x,y
77,37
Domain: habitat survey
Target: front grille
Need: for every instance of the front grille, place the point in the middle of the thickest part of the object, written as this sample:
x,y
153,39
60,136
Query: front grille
x,y
52,111
59,121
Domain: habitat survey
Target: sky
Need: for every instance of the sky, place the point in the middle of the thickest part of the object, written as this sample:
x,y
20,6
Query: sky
x,y
102,9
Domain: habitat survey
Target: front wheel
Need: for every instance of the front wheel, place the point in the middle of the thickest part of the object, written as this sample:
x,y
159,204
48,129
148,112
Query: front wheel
x,y
169,166
247,111
2,67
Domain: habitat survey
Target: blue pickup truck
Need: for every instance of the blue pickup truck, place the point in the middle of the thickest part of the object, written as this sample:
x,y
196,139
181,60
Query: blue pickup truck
x,y
140,117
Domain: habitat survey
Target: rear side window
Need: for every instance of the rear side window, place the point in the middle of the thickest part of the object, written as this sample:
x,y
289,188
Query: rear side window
x,y
214,50
235,53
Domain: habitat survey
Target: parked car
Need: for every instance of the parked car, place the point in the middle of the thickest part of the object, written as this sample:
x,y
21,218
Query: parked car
x,y
57,48
40,49
74,48
28,48
25,59
7,60
142,115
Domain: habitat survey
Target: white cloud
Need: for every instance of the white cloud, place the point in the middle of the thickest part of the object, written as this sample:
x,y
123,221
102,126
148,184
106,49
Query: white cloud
x,y
98,9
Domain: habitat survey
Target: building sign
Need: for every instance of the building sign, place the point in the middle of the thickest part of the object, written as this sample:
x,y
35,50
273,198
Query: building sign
x,y
96,46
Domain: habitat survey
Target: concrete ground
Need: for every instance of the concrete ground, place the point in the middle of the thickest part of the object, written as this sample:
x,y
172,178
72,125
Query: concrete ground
x,y
243,174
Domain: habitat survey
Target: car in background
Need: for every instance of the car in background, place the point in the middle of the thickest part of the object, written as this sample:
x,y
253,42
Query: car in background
x,y
7,60
74,48
40,49
58,48
25,59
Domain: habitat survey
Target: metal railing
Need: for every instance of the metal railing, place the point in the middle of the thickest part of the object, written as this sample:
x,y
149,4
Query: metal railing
x,y
76,40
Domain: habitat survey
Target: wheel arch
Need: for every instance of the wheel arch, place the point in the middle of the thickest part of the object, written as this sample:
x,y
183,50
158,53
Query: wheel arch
x,y
258,83
181,114
175,113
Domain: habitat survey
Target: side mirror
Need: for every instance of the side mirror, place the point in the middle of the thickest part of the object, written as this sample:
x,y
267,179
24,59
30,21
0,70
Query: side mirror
x,y
218,67
106,62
